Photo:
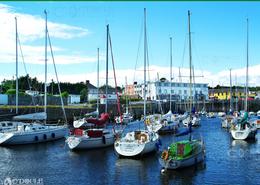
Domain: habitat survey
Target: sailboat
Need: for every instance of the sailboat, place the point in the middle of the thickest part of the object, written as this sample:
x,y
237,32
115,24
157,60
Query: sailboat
x,y
183,153
169,121
243,129
228,120
127,117
193,118
139,142
91,132
35,132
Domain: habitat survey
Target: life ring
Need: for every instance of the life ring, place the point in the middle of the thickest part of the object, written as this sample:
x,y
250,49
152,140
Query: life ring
x,y
143,137
165,155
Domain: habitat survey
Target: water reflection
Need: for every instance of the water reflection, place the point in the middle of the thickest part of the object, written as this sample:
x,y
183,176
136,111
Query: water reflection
x,y
182,176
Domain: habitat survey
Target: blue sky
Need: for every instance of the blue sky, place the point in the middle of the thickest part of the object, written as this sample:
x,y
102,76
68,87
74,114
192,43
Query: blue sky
x,y
219,37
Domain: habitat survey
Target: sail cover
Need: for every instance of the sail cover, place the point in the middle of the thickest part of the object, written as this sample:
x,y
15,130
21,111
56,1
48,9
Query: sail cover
x,y
103,119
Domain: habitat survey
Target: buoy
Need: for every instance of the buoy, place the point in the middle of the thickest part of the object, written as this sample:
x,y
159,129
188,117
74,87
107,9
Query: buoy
x,y
163,170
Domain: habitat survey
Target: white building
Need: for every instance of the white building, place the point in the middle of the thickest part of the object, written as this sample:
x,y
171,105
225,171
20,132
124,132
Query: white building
x,y
161,90
92,91
73,98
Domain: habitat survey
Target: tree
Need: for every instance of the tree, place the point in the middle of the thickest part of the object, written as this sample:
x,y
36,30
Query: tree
x,y
10,91
84,95
65,94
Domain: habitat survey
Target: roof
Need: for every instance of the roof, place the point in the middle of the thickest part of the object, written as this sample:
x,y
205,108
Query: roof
x,y
90,86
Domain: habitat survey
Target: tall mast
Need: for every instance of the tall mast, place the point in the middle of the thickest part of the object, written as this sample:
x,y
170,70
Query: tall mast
x,y
98,80
45,79
126,94
190,59
246,65
170,73
145,48
231,98
107,68
236,95
16,58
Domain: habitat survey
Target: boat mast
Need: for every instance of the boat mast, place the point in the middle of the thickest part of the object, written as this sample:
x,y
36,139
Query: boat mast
x,y
107,68
97,80
45,79
231,98
145,48
126,94
16,58
190,63
171,74
236,96
246,65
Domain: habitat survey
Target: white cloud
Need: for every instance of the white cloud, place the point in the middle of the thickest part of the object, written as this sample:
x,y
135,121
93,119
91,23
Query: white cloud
x,y
30,29
221,78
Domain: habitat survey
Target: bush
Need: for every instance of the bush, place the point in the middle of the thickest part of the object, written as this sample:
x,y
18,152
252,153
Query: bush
x,y
65,94
10,91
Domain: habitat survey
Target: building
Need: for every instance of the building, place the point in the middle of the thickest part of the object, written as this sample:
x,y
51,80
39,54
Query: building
x,y
224,93
73,98
111,96
92,91
130,90
161,90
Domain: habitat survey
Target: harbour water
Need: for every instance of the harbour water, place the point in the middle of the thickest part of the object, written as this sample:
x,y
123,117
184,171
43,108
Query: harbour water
x,y
227,162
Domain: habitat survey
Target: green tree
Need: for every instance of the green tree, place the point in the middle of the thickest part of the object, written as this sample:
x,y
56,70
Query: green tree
x,y
65,94
84,95
10,91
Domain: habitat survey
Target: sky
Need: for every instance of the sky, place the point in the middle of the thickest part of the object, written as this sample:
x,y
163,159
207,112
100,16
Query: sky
x,y
77,29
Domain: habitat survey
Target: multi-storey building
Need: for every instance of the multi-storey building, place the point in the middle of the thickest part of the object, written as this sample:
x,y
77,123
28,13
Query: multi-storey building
x,y
161,90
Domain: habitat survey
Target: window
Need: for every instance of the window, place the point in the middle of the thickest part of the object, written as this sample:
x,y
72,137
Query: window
x,y
172,91
165,91
185,91
160,91
180,92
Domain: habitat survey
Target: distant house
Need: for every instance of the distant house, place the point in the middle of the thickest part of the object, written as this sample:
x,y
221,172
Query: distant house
x,y
224,93
111,96
92,91
73,98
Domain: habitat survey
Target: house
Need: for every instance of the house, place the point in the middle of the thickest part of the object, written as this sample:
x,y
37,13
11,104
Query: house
x,y
224,93
73,98
161,90
92,91
111,96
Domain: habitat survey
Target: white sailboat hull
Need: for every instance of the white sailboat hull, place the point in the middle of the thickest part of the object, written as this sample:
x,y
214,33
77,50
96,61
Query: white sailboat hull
x,y
171,127
194,122
242,134
19,138
135,148
85,142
